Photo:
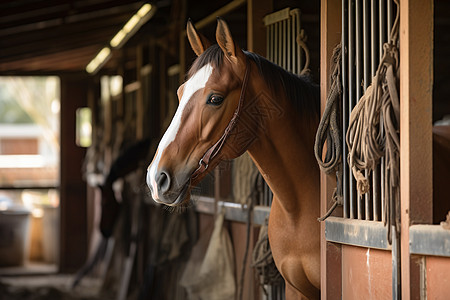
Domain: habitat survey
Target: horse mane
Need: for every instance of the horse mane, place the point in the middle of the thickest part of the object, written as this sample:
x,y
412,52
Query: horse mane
x,y
300,90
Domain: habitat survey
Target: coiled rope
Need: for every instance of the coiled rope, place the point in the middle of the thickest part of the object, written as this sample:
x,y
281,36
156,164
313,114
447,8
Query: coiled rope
x,y
374,130
262,260
329,131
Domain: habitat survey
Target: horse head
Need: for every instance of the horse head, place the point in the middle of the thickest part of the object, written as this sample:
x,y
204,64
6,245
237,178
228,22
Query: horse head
x,y
203,130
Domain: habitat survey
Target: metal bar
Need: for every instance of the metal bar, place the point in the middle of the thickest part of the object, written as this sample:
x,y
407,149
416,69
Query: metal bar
x,y
290,39
374,64
284,37
359,77
367,79
280,44
299,50
382,39
366,45
301,58
390,17
356,232
293,46
382,32
234,211
268,42
345,105
351,91
272,43
396,289
429,240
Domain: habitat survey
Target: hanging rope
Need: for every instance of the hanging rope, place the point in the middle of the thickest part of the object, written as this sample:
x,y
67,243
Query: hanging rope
x,y
329,131
262,260
250,205
374,129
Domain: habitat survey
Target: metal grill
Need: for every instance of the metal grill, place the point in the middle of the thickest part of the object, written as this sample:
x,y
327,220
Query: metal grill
x,y
283,28
366,26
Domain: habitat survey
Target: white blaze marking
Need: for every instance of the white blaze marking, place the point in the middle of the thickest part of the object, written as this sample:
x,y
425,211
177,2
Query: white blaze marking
x,y
195,83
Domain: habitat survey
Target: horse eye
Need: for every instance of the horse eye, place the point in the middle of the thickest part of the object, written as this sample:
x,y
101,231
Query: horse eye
x,y
214,99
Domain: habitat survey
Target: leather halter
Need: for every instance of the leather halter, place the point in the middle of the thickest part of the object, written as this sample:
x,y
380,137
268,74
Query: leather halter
x,y
215,149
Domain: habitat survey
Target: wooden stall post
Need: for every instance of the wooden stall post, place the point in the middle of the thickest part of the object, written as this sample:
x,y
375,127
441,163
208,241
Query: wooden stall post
x,y
73,229
256,31
330,253
416,82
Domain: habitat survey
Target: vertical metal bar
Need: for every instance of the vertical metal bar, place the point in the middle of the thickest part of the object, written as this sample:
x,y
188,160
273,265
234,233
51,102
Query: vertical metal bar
x,y
268,43
293,46
299,50
359,77
390,17
280,44
367,79
395,264
301,57
290,39
351,91
345,105
383,32
285,37
374,62
382,39
275,46
366,45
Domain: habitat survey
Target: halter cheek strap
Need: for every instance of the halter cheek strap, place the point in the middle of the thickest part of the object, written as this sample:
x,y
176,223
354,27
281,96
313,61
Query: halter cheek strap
x,y
215,149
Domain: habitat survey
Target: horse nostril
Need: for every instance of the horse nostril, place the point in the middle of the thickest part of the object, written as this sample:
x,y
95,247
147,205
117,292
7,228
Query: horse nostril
x,y
163,181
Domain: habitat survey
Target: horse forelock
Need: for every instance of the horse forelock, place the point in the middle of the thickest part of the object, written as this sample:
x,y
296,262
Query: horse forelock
x,y
212,56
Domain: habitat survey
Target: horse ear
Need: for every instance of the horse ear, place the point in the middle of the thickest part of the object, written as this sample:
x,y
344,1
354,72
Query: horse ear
x,y
225,40
198,41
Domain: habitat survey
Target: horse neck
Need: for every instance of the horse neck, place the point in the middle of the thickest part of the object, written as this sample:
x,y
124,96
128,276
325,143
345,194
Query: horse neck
x,y
283,153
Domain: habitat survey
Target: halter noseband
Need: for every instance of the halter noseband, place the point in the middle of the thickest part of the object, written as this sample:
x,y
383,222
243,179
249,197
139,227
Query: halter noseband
x,y
215,149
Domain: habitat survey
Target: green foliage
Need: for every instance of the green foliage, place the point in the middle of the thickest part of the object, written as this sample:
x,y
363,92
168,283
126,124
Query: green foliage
x,y
10,111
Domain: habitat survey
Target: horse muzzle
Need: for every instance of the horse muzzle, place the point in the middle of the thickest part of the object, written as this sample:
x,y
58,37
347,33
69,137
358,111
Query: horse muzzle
x,y
168,189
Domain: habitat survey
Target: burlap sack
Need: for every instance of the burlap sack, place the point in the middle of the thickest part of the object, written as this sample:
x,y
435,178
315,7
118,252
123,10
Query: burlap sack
x,y
211,277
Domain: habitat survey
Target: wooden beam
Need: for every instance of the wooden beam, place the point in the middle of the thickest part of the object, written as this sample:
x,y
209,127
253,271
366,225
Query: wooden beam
x,y
256,31
73,230
231,6
416,83
330,253
49,61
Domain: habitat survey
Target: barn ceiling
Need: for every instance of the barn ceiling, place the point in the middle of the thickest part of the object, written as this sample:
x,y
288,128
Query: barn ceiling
x,y
57,36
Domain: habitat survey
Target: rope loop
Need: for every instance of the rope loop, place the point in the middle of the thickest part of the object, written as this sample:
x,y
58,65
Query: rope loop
x,y
329,131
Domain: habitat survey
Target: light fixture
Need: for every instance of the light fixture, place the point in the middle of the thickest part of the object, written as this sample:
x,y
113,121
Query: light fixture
x,y
99,60
132,26
128,30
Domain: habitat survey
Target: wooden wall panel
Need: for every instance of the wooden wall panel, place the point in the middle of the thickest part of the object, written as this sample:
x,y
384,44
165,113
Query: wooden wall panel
x,y
438,277
366,273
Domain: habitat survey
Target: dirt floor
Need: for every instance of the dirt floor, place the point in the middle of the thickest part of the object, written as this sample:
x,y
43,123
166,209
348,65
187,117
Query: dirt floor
x,y
49,287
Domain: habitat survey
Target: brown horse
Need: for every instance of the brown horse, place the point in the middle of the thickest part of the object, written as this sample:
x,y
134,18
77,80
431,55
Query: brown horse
x,y
236,101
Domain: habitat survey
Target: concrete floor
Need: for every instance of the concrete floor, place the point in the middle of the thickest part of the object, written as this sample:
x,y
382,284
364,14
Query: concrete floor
x,y
52,287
